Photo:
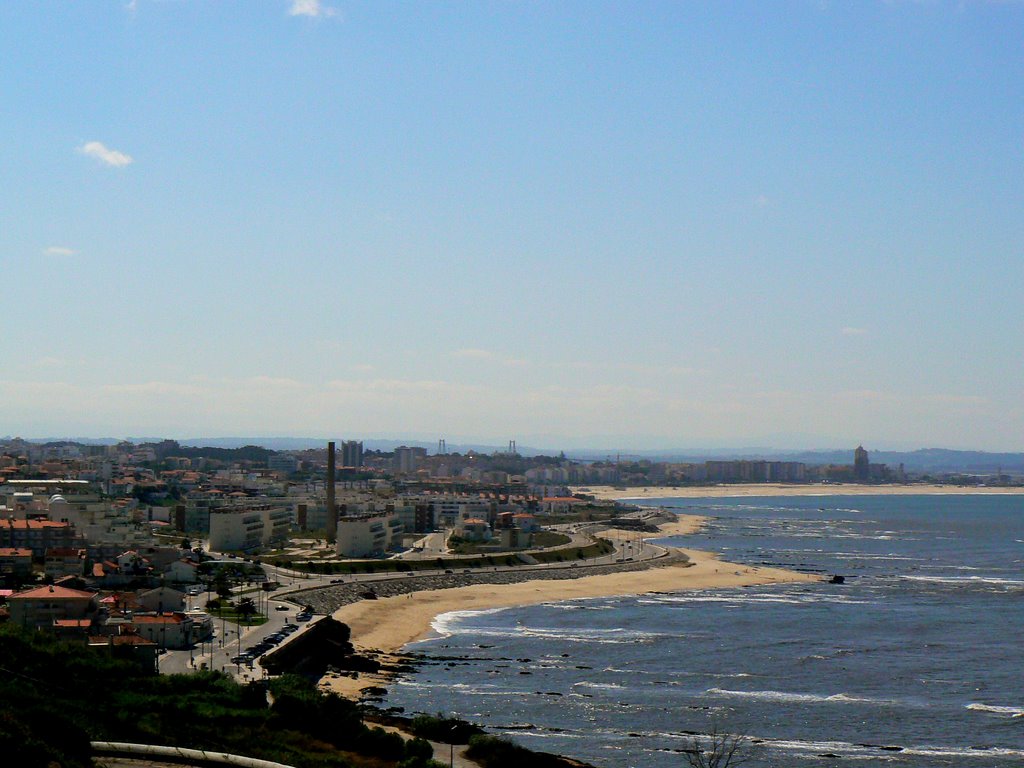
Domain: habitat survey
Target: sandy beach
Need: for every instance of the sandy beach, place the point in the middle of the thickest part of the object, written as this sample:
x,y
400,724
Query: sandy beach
x,y
389,624
607,492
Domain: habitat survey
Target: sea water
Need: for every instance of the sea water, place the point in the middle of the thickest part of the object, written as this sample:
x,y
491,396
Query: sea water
x,y
916,660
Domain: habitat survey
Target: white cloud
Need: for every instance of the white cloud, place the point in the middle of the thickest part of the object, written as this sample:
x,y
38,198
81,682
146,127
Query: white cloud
x,y
761,201
105,155
311,8
59,250
851,331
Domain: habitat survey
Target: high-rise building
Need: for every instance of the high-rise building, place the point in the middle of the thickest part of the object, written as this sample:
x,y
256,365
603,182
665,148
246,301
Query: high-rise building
x,y
861,466
352,453
406,460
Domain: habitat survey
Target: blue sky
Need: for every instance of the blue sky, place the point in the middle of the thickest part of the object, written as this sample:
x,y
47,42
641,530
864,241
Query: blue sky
x,y
794,224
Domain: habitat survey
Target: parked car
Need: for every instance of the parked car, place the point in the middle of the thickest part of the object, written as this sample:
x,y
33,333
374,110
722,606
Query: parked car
x,y
280,607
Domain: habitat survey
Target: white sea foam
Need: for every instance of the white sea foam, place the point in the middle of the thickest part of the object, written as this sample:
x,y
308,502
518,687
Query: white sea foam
x,y
808,698
963,752
849,750
448,623
966,580
613,636
997,710
746,598
875,752
604,686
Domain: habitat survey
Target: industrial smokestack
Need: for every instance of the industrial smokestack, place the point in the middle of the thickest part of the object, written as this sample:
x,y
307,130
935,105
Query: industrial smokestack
x,y
332,512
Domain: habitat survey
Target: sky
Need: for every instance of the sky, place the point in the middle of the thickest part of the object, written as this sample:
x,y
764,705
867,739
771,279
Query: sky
x,y
575,224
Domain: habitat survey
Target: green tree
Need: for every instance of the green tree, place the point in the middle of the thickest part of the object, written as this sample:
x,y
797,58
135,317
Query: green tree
x,y
221,586
246,608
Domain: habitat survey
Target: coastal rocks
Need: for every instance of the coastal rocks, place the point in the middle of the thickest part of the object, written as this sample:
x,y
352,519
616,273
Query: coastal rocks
x,y
837,579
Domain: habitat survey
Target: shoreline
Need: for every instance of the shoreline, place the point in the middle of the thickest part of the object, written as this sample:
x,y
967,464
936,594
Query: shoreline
x,y
741,490
385,626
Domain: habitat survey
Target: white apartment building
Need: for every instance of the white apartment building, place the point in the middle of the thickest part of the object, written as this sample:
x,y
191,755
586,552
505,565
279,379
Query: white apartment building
x,y
101,522
367,536
250,528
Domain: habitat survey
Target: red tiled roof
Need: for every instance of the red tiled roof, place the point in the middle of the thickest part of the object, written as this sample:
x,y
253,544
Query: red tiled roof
x,y
53,593
122,640
164,618
15,552
65,552
35,524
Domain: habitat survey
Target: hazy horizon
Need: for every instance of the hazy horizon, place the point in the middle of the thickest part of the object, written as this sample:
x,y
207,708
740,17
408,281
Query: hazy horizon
x,y
549,444
793,224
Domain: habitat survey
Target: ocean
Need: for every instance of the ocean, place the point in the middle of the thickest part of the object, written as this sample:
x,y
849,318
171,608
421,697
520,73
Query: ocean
x,y
917,660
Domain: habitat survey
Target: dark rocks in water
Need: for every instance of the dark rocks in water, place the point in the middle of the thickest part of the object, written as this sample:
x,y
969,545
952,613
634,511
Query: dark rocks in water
x,y
525,672
583,666
884,747
837,579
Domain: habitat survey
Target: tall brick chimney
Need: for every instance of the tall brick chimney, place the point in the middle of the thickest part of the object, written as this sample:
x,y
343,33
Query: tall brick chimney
x,y
332,512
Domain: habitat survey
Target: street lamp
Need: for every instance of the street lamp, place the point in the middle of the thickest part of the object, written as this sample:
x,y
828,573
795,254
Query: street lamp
x,y
451,745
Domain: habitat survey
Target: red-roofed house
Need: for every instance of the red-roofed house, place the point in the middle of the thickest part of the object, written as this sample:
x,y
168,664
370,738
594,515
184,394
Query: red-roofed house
x,y
41,606
167,630
69,629
37,535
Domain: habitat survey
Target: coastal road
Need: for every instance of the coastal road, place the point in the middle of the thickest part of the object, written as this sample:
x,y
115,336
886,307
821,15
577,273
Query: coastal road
x,y
226,642
218,652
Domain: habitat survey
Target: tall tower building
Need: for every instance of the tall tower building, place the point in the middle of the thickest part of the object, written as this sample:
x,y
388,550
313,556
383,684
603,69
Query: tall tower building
x,y
352,453
861,467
